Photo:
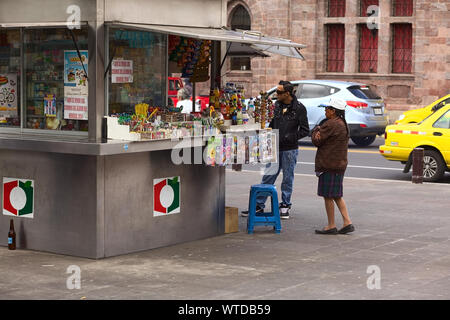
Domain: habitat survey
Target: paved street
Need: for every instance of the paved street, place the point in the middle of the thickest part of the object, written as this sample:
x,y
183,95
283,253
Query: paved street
x,y
401,228
363,162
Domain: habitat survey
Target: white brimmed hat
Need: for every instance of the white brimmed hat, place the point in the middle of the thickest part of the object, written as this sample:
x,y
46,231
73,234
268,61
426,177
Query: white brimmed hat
x,y
337,104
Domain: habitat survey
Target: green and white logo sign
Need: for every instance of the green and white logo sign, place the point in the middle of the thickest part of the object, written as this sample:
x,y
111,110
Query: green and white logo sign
x,y
166,196
18,197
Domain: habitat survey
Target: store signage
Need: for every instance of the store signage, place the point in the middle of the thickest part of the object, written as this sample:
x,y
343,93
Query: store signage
x,y
76,107
8,95
136,39
166,196
18,197
75,85
122,71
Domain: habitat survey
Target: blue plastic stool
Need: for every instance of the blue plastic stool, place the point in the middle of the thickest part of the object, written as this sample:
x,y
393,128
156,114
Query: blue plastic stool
x,y
267,218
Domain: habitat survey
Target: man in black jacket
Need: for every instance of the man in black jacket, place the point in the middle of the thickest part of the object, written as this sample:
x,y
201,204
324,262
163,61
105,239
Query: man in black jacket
x,y
291,120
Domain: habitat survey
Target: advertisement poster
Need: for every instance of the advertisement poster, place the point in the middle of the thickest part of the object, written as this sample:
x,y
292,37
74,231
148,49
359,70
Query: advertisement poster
x,y
75,79
273,148
8,95
211,151
75,85
76,107
241,150
50,105
122,71
253,148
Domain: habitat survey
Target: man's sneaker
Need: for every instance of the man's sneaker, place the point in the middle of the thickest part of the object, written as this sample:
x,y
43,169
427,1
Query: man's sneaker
x,y
284,211
258,210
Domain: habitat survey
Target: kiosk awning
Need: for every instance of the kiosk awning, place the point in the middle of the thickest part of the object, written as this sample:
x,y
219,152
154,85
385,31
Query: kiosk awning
x,y
257,41
244,50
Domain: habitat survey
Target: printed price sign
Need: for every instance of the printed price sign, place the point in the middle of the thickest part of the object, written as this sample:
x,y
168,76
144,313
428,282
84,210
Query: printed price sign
x,y
76,107
122,71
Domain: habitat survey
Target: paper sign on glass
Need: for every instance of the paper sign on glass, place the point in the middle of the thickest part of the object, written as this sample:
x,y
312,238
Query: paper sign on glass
x,y
122,71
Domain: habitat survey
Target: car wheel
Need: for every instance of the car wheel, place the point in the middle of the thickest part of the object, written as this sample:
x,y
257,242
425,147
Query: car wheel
x,y
363,141
433,166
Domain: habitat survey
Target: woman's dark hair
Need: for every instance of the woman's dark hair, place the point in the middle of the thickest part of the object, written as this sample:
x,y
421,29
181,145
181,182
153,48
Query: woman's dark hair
x,y
287,86
341,114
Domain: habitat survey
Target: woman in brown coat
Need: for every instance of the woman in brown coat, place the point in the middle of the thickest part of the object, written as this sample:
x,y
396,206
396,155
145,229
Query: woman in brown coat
x,y
331,140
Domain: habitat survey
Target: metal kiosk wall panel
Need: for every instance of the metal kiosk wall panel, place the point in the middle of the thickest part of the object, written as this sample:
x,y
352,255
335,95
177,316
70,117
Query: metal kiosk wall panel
x,y
130,224
70,191
65,216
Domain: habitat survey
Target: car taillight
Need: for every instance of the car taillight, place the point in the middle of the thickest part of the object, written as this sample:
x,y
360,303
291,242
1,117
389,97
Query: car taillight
x,y
357,104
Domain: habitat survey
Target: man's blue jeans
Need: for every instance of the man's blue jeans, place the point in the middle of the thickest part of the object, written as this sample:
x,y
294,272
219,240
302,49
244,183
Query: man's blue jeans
x,y
287,160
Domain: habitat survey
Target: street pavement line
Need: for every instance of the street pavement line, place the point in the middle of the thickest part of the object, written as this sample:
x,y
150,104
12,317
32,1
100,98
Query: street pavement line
x,y
353,151
351,178
361,167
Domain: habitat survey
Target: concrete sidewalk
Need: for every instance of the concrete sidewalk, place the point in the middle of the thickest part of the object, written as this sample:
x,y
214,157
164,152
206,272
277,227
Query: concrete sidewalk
x,y
401,228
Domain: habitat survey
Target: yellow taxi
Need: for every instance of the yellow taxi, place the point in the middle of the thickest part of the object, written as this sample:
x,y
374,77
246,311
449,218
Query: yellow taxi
x,y
417,115
432,134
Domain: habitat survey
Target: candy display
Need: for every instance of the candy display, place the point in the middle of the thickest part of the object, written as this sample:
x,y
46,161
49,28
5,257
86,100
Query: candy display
x,y
234,132
192,55
152,123
230,102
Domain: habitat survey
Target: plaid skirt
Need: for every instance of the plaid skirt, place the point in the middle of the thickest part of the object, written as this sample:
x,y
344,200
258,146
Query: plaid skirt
x,y
330,185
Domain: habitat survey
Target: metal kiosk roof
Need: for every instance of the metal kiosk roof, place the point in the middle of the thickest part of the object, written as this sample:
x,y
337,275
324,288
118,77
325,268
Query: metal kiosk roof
x,y
258,42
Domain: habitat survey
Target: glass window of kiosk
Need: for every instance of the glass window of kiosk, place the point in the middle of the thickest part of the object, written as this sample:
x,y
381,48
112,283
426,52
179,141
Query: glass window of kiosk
x,y
10,78
138,70
56,95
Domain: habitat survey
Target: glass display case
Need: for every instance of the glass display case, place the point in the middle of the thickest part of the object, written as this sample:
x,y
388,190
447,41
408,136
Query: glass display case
x,y
47,54
137,70
10,78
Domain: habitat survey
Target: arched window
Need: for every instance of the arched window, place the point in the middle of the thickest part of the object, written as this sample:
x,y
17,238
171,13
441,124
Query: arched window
x,y
240,19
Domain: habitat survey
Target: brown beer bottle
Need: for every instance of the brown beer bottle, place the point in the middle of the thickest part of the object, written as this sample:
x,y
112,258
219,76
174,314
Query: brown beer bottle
x,y
11,236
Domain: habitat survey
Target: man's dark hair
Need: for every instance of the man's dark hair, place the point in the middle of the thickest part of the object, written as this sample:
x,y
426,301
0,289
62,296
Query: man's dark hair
x,y
287,86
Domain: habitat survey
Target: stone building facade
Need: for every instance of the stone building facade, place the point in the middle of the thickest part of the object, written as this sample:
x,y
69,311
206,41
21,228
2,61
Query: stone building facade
x,y
308,22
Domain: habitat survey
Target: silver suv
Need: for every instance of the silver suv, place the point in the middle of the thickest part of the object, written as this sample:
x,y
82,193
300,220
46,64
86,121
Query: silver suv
x,y
365,112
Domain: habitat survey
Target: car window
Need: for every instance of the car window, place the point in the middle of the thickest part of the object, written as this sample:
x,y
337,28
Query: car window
x,y
171,85
363,92
313,90
334,90
441,104
443,122
178,85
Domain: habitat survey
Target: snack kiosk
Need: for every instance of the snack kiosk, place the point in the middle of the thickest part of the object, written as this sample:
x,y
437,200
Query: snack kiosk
x,y
78,178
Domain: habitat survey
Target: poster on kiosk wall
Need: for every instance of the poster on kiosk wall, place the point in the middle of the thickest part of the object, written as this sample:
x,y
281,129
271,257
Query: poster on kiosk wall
x,y
8,95
75,85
